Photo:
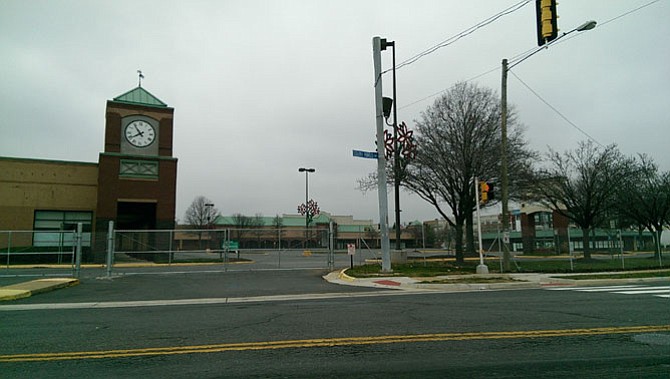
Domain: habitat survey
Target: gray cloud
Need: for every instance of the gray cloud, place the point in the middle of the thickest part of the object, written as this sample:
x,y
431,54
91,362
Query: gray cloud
x,y
261,88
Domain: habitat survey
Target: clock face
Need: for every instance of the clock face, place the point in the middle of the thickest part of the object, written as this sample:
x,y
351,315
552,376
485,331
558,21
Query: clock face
x,y
140,133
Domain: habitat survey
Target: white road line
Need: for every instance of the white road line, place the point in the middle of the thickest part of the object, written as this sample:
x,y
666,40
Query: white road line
x,y
658,291
207,301
592,288
641,288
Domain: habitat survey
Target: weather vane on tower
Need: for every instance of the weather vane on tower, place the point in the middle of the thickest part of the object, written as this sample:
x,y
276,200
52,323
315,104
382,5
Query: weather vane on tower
x,y
139,73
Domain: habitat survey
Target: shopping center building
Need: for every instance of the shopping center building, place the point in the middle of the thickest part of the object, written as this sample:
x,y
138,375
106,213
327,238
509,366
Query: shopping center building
x,y
133,184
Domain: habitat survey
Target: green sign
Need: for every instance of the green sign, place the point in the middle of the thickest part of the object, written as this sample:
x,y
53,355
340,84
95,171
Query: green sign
x,y
231,245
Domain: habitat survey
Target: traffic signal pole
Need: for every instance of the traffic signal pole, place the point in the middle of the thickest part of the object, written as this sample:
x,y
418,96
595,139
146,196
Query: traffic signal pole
x,y
548,39
481,268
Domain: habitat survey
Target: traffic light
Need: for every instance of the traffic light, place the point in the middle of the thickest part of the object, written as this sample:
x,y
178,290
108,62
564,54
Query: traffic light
x,y
547,24
486,193
483,192
490,193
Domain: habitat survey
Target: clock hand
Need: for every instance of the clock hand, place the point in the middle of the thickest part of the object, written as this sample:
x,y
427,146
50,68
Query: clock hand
x,y
138,131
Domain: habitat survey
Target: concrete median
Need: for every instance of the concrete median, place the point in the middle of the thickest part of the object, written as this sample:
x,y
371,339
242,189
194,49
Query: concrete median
x,y
33,287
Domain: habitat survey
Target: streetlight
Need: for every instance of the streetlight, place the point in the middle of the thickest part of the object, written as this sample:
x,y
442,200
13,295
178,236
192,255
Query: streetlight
x,y
396,155
208,207
307,171
387,103
504,185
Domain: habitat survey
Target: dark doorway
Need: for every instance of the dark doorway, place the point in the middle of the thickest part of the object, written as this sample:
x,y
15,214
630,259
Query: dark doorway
x,y
134,221
136,216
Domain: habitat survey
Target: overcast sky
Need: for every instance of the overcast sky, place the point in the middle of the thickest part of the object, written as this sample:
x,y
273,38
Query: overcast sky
x,y
261,88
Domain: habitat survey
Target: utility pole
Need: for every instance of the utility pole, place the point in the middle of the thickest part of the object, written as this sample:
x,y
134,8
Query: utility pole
x,y
381,160
503,170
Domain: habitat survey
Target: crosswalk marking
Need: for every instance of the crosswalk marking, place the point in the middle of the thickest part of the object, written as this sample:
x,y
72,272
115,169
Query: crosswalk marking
x,y
641,291
658,291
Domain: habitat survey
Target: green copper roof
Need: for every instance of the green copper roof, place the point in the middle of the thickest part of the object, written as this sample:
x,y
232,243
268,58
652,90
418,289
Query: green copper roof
x,y
140,96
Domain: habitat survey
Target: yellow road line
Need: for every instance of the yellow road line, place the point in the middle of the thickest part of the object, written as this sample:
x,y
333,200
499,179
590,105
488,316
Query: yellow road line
x,y
330,342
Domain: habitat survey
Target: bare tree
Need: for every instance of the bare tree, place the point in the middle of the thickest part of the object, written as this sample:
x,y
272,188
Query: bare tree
x,y
458,138
277,222
582,185
417,233
278,225
644,198
201,213
242,225
372,235
257,224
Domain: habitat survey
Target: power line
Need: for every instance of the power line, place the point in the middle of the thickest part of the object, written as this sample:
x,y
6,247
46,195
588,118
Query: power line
x,y
517,56
554,109
629,12
601,24
460,35
447,89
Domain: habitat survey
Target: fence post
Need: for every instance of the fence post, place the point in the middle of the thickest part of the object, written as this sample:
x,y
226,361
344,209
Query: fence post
x,y
77,265
9,246
331,251
170,248
110,248
226,250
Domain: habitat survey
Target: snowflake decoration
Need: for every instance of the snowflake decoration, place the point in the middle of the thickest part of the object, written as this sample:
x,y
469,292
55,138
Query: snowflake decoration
x,y
310,209
406,145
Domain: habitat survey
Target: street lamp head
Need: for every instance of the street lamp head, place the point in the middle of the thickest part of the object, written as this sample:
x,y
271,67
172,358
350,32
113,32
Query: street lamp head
x,y
588,25
302,169
387,103
385,43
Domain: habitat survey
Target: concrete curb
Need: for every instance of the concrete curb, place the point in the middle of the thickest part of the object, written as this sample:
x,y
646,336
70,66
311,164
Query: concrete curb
x,y
34,287
521,281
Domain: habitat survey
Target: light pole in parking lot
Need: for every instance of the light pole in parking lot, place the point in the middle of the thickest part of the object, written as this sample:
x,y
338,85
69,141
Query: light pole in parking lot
x,y
309,208
208,209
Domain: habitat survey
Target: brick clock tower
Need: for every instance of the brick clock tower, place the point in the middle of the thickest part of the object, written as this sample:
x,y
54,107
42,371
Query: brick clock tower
x,y
137,174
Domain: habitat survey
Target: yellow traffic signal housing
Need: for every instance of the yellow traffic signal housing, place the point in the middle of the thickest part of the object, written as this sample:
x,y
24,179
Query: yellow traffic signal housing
x,y
483,192
547,21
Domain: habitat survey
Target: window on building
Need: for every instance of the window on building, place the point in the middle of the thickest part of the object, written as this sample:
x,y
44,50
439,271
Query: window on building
x,y
543,221
138,169
55,228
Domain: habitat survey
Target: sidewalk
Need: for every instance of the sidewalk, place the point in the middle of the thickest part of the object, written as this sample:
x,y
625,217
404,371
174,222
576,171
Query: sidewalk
x,y
33,287
474,282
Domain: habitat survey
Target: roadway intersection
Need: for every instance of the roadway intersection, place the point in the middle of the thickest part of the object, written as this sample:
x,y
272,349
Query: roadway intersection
x,y
295,324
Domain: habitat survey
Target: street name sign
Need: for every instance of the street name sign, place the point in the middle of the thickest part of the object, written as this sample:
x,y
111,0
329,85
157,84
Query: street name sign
x,y
366,154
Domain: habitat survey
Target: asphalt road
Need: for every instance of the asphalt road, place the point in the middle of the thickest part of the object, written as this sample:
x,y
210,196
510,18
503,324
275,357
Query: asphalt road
x,y
293,324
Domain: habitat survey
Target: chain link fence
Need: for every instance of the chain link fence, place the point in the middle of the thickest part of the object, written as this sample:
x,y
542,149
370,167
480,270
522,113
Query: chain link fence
x,y
30,248
120,251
